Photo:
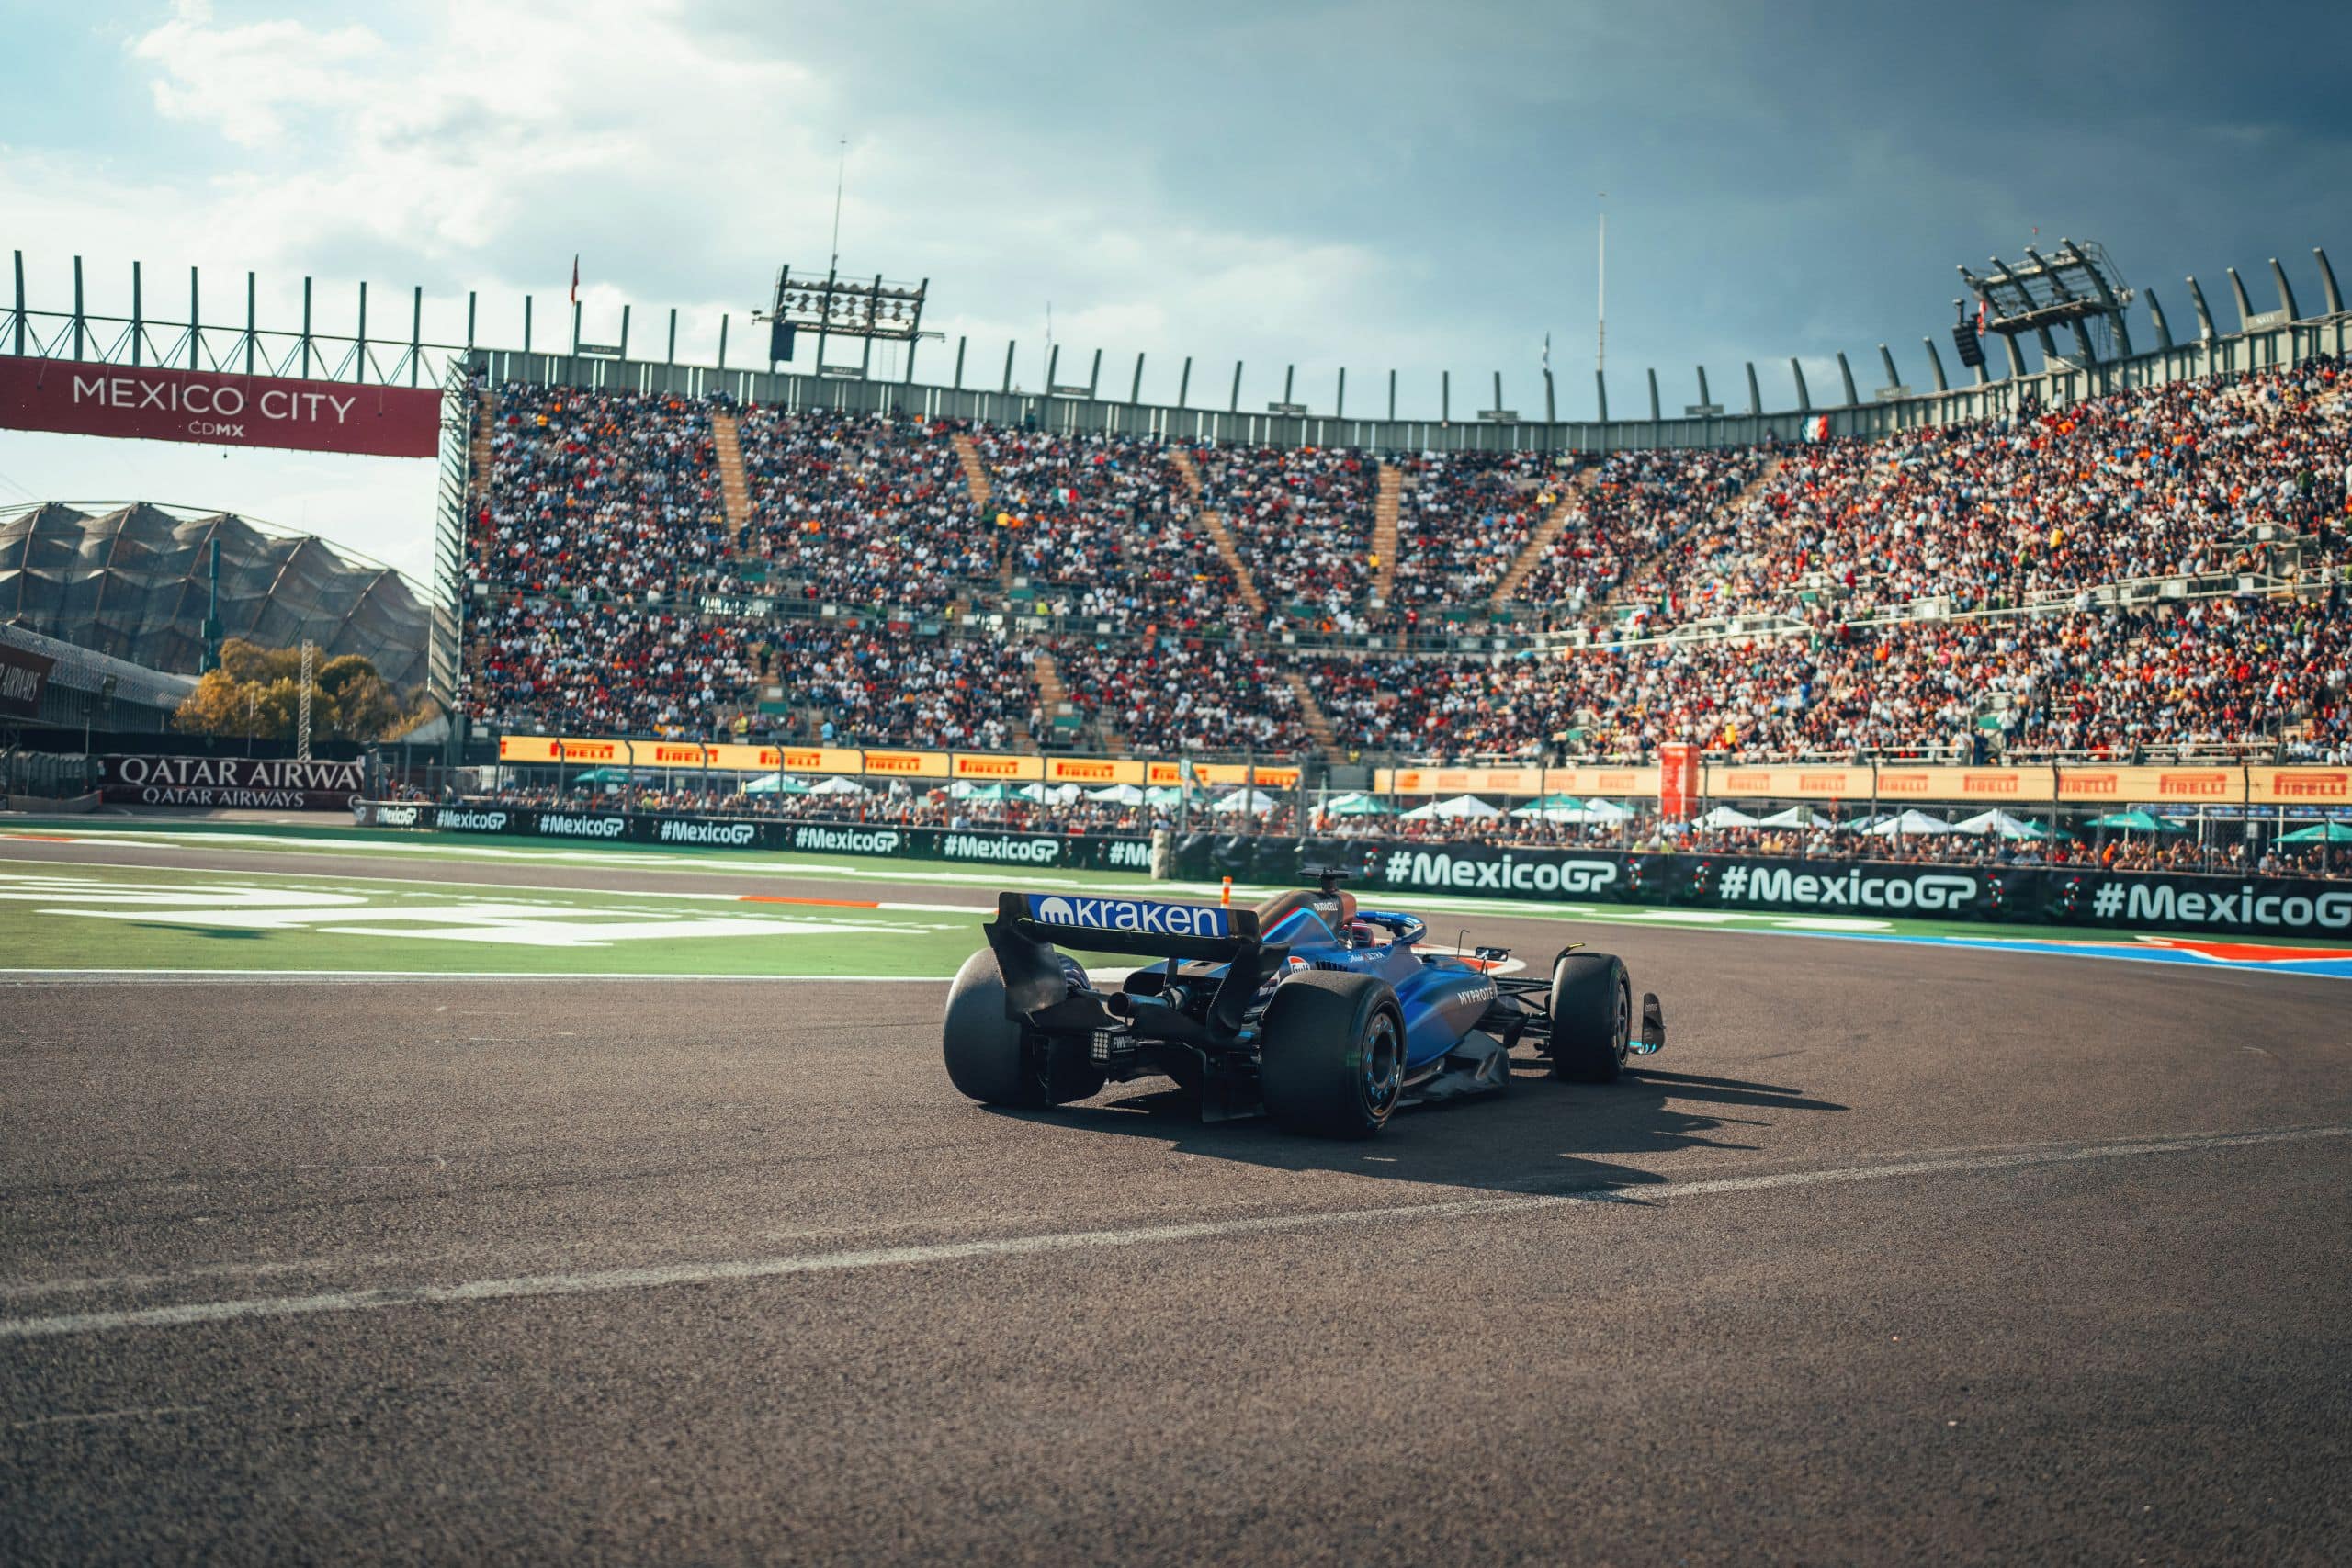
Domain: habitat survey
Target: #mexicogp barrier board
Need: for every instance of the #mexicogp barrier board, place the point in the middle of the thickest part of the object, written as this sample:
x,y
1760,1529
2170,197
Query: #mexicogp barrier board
x,y
1866,889
879,841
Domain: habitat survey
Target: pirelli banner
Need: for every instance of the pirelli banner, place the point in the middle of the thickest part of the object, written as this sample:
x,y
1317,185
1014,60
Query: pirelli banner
x,y
939,767
1613,782
2069,785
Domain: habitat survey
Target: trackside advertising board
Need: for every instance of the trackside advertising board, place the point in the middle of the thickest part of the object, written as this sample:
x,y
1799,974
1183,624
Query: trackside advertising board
x,y
1866,889
281,783
152,403
24,677
875,841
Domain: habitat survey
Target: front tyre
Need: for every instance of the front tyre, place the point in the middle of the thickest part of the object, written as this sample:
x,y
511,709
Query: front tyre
x,y
992,1059
1592,1017
1331,1055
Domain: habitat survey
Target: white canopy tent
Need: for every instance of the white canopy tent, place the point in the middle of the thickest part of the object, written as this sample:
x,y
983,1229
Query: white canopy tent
x,y
1725,817
1997,823
1256,802
1795,817
1908,824
1117,795
837,784
1452,807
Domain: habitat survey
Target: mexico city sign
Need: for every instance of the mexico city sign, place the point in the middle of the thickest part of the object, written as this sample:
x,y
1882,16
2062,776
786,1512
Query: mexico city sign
x,y
152,403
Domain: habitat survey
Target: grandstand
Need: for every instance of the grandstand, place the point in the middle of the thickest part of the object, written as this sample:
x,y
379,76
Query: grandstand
x,y
2155,567
133,582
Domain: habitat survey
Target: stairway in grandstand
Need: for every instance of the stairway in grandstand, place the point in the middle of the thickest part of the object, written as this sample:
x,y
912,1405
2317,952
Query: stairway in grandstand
x,y
1052,697
976,480
1310,712
734,485
1220,535
1384,529
1571,501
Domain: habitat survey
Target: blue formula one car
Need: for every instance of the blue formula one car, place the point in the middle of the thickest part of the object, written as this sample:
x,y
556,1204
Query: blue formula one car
x,y
1323,1015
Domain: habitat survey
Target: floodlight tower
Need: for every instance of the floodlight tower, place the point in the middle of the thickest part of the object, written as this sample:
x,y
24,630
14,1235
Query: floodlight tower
x,y
2076,286
835,306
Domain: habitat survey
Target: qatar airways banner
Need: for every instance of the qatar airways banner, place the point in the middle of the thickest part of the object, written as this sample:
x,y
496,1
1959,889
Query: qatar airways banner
x,y
282,784
151,404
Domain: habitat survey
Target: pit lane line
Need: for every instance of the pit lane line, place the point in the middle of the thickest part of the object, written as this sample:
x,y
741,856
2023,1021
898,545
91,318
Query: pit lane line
x,y
721,1271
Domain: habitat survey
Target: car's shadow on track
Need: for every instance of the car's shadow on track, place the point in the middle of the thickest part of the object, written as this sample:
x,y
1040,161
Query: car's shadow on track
x,y
1542,1136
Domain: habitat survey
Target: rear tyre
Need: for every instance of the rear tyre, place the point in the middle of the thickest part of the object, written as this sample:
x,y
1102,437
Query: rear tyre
x,y
994,1060
1592,1017
1331,1055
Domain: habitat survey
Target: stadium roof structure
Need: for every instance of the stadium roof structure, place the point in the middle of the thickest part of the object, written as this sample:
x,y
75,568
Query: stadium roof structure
x,y
132,581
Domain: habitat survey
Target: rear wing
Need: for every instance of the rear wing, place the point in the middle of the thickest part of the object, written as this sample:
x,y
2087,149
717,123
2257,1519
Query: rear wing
x,y
1029,927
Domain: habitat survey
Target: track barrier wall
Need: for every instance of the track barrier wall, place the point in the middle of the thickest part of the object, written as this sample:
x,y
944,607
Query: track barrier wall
x,y
2252,908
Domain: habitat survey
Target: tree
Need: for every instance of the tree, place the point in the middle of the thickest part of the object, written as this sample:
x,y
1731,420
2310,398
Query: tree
x,y
257,694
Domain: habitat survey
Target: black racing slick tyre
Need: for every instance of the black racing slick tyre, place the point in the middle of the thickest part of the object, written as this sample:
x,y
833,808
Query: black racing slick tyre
x,y
1592,1017
992,1059
1331,1055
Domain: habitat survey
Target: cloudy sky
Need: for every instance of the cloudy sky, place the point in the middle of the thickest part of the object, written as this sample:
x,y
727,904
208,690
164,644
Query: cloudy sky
x,y
1375,186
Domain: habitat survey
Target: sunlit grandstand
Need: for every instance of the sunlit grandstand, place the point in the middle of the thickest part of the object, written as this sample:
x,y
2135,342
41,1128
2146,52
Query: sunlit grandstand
x,y
2087,565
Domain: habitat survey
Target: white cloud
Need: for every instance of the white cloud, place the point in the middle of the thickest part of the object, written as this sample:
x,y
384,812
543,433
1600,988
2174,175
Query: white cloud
x,y
241,80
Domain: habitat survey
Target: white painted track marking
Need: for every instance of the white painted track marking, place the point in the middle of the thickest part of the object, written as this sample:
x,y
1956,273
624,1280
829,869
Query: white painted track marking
x,y
452,977
724,1272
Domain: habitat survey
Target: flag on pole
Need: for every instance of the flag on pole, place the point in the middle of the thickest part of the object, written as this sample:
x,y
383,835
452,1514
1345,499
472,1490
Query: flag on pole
x,y
575,278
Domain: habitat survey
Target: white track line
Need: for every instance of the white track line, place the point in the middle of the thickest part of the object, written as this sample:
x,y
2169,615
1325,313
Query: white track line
x,y
366,976
427,885
723,1272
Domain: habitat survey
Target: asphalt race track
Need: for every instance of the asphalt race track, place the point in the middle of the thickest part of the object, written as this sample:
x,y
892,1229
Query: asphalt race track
x,y
1901,1253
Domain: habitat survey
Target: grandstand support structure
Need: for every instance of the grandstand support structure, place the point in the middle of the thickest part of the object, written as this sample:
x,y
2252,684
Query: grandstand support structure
x,y
1219,533
1384,530
1538,543
465,451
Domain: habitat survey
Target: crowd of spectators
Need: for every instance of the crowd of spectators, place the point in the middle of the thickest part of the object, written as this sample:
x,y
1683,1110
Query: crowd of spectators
x,y
1639,504
1301,520
2156,482
874,687
1177,695
2200,674
1463,520
1104,527
613,491
861,508
604,669
603,516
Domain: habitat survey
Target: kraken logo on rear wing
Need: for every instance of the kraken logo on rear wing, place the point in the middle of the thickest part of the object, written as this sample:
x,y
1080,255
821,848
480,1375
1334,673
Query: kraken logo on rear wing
x,y
1029,927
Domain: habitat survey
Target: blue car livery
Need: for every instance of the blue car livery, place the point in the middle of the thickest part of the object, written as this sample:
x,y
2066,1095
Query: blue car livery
x,y
1325,1015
